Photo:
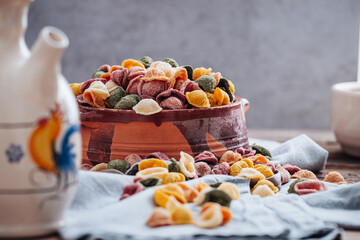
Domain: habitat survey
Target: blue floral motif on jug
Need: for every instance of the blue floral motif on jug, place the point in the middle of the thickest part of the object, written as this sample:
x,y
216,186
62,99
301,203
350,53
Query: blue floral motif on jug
x,y
14,153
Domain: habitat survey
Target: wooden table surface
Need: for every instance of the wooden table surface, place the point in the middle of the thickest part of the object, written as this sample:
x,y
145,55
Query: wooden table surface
x,y
347,165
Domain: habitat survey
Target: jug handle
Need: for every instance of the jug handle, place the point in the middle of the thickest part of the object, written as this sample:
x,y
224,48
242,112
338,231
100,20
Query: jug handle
x,y
245,104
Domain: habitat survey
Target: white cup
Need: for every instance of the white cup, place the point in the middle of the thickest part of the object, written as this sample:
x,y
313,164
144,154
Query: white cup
x,y
345,116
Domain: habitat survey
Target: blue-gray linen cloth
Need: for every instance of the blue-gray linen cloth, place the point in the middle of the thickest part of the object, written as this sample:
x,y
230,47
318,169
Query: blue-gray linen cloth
x,y
97,213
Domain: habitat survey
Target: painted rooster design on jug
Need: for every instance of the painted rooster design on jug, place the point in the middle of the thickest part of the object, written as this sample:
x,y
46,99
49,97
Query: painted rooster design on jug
x,y
40,141
43,150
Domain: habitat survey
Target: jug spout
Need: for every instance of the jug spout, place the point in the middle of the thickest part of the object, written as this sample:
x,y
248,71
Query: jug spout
x,y
13,15
43,68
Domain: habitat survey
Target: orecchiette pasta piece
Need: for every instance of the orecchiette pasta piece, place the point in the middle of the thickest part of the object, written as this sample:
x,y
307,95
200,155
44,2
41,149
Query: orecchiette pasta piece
x,y
198,99
99,167
334,177
178,77
311,186
150,172
265,182
147,107
187,165
129,63
190,193
304,174
201,197
263,191
230,189
160,217
251,173
218,196
198,72
230,157
182,215
172,204
150,163
210,216
96,94
162,194
265,170
199,186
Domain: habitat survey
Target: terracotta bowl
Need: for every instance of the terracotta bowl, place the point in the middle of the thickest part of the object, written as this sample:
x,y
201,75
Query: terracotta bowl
x,y
110,134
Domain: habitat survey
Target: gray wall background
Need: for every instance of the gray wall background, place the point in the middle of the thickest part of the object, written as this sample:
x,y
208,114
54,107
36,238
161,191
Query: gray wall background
x,y
283,56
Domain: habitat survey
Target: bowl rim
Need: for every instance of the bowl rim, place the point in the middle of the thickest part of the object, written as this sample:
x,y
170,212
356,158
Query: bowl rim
x,y
92,114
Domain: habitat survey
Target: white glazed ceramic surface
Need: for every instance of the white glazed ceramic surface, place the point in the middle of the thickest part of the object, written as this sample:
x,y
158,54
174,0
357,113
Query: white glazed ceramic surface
x,y
40,143
345,116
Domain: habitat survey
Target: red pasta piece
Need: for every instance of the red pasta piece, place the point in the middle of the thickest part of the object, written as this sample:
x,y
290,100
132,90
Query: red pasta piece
x,y
207,157
310,186
86,167
158,155
202,169
285,175
120,77
291,168
131,189
132,159
189,86
245,153
222,168
150,89
171,99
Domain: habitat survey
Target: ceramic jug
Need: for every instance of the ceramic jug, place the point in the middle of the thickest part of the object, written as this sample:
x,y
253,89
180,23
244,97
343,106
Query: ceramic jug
x,y
40,143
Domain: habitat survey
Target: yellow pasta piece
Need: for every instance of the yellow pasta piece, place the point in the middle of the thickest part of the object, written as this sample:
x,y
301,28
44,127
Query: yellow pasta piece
x,y
260,158
172,204
171,177
76,88
182,215
265,182
221,97
198,99
230,189
150,163
163,194
99,167
232,87
198,72
129,63
190,193
248,162
265,170
211,99
150,172
236,168
251,173
199,186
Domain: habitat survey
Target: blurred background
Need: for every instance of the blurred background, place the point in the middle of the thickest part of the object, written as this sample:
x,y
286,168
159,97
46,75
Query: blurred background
x,y
283,56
